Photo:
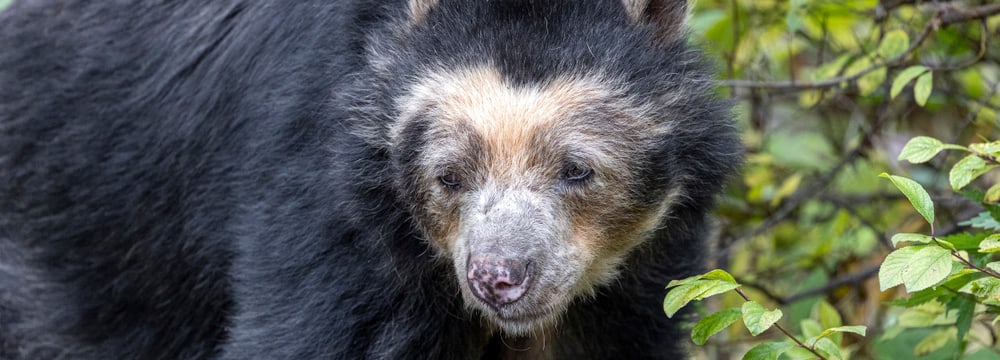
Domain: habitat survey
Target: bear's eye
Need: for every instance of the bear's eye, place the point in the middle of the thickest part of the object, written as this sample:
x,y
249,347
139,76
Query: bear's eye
x,y
577,173
450,181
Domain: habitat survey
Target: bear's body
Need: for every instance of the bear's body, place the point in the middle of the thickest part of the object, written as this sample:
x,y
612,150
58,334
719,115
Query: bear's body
x,y
257,179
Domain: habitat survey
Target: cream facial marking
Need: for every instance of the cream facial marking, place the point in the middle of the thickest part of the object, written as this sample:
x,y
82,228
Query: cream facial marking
x,y
508,117
419,9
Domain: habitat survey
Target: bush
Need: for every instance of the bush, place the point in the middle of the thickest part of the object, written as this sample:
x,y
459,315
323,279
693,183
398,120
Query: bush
x,y
829,93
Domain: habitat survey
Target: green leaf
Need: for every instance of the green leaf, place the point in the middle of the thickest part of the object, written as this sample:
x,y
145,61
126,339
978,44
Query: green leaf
x,y
810,328
828,316
890,273
904,78
869,82
945,244
891,333
945,290
857,66
856,329
986,290
696,290
992,195
684,281
976,195
982,287
787,188
991,244
916,267
964,240
916,194
966,309
958,279
901,348
922,315
928,267
893,44
966,170
757,318
828,348
719,274
919,297
767,351
702,22
798,353
911,238
982,221
934,341
922,89
712,324
923,148
716,274
990,148
830,69
793,20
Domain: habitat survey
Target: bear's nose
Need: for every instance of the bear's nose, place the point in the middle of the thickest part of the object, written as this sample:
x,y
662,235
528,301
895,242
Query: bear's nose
x,y
499,282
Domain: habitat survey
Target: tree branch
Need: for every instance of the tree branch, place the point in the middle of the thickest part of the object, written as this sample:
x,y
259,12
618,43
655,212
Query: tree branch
x,y
849,279
791,85
943,17
788,334
957,15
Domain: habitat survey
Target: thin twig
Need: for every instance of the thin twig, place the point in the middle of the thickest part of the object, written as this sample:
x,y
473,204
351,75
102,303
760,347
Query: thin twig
x,y
789,85
943,17
956,15
846,206
968,263
886,6
802,195
849,279
747,298
984,36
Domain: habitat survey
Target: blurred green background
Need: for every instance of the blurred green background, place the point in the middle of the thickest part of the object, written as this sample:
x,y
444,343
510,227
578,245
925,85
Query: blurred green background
x,y
808,221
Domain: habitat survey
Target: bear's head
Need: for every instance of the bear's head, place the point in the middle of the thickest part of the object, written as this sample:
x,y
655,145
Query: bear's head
x,y
538,143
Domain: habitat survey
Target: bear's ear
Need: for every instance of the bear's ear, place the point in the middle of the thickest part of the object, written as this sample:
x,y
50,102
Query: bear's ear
x,y
419,10
668,17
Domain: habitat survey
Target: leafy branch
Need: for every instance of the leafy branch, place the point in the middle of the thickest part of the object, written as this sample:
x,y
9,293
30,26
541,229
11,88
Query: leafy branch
x,y
933,267
944,16
778,326
756,318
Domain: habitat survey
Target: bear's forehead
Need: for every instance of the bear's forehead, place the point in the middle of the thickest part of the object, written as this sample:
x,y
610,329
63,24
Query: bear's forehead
x,y
481,97
580,112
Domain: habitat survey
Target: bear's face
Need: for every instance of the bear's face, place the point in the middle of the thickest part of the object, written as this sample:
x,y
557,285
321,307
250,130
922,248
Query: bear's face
x,y
534,192
537,144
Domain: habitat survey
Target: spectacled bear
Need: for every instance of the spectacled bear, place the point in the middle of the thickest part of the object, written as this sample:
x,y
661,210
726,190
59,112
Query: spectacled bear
x,y
431,179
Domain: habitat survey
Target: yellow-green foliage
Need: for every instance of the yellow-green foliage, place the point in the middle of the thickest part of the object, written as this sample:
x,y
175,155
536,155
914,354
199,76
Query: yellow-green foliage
x,y
828,93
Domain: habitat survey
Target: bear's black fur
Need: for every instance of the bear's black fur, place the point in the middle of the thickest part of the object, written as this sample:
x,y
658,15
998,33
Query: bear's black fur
x,y
190,179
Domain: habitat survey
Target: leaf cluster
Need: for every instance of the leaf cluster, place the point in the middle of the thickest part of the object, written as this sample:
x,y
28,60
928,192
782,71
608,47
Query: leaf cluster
x,y
947,276
820,342
828,92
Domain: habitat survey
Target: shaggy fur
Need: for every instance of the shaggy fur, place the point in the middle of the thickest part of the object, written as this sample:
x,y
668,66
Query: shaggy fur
x,y
239,179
